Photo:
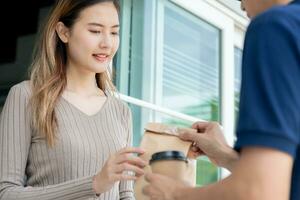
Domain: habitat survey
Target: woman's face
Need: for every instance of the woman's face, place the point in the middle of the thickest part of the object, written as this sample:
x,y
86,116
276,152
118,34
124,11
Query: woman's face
x,y
94,38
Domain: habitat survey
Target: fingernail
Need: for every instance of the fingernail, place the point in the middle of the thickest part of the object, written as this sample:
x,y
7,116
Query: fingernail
x,y
142,150
181,134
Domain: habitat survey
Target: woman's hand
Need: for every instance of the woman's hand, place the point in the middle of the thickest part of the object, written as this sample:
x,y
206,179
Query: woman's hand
x,y
117,167
211,142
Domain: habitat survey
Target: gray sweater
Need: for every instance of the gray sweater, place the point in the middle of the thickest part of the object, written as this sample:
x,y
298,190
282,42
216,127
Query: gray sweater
x,y
29,169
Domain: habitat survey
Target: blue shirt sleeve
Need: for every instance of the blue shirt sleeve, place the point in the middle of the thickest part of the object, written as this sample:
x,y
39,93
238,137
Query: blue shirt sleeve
x,y
270,92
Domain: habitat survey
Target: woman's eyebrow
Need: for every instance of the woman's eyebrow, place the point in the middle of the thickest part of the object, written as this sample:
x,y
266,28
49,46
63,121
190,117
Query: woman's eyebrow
x,y
101,25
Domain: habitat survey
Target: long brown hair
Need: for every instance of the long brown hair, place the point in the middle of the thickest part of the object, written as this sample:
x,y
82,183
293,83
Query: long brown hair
x,y
48,71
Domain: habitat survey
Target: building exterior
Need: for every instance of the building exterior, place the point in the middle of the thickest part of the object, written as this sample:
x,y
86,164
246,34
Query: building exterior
x,y
179,61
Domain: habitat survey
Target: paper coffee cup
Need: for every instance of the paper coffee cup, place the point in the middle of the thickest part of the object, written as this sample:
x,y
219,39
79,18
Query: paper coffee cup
x,y
173,164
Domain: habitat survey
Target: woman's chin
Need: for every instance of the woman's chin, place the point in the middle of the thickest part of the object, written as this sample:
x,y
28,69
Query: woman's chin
x,y
99,69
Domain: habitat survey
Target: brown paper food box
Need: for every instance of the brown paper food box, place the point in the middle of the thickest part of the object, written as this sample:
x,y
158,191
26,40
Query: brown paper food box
x,y
160,137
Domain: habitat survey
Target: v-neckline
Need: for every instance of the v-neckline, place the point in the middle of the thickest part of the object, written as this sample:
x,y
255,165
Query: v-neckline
x,y
74,107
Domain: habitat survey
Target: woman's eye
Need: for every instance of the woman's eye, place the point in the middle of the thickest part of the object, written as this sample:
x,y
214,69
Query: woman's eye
x,y
96,32
115,33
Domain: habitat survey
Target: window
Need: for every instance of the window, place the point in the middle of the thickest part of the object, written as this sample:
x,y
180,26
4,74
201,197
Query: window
x,y
179,55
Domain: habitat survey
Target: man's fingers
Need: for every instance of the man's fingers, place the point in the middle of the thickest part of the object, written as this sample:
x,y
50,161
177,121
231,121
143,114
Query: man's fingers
x,y
149,177
194,155
189,136
148,190
200,125
197,149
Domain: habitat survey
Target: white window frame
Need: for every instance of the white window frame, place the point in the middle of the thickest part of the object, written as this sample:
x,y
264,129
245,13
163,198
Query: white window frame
x,y
232,29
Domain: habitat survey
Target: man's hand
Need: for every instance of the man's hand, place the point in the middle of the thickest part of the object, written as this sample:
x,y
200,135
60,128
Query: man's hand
x,y
211,142
162,187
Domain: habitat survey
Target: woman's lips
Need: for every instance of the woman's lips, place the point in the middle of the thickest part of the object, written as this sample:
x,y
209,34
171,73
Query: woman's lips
x,y
101,57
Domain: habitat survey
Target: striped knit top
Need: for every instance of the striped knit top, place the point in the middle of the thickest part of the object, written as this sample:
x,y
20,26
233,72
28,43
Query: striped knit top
x,y
29,169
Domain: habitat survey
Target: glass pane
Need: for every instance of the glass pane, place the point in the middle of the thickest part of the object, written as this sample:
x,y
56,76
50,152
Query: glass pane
x,y
238,53
136,124
129,59
191,68
206,172
191,65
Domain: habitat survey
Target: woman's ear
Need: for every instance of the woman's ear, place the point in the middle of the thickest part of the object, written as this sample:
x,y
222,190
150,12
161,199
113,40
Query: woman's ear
x,y
62,32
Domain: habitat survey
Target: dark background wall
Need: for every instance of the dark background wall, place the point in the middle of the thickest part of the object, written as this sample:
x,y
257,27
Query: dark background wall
x,y
19,21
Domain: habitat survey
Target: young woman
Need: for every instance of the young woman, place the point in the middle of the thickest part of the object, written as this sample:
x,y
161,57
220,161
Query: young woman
x,y
63,135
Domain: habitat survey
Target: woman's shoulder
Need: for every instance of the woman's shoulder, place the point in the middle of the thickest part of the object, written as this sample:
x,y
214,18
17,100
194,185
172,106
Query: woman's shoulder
x,y
19,92
120,105
22,87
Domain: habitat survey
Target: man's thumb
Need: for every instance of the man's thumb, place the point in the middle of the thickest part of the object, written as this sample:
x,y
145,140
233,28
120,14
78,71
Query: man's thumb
x,y
190,136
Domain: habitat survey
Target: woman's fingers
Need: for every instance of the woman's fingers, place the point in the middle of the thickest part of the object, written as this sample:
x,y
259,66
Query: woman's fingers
x,y
124,161
124,177
128,167
131,150
131,159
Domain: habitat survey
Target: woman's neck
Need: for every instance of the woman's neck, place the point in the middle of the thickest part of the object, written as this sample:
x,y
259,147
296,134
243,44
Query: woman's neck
x,y
82,82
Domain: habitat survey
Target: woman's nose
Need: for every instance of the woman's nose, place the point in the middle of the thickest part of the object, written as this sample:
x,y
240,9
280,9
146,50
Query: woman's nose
x,y
106,41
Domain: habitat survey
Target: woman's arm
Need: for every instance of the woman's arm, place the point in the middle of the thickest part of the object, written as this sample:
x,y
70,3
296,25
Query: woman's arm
x,y
126,187
15,140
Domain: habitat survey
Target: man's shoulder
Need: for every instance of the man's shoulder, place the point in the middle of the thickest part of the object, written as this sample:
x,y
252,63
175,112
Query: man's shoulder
x,y
281,12
279,16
